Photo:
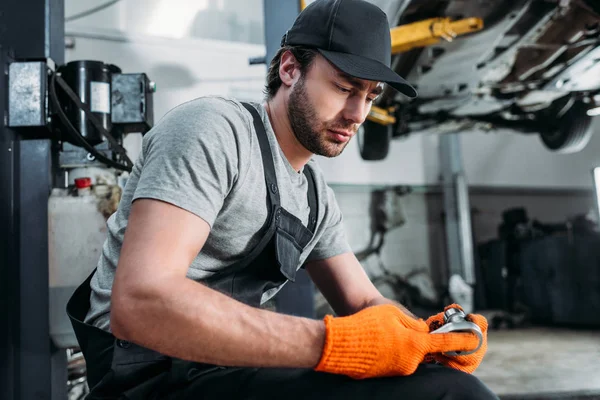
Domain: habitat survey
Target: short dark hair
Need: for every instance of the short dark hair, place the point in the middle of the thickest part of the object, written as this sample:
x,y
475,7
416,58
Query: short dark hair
x,y
305,57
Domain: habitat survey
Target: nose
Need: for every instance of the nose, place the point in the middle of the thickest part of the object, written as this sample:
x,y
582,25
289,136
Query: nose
x,y
355,110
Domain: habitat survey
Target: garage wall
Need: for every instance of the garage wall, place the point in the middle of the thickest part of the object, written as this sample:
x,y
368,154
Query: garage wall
x,y
185,68
110,18
227,20
517,160
499,159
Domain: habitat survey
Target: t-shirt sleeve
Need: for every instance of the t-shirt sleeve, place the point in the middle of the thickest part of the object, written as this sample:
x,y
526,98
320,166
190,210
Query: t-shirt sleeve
x,y
333,241
190,159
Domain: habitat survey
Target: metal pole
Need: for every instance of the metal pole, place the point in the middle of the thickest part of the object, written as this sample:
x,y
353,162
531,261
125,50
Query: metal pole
x,y
459,237
279,17
29,29
34,352
8,274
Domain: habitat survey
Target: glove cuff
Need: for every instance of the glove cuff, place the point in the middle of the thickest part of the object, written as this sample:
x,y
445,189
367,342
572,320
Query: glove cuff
x,y
346,349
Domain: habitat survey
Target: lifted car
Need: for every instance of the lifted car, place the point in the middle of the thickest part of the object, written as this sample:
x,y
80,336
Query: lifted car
x,y
533,67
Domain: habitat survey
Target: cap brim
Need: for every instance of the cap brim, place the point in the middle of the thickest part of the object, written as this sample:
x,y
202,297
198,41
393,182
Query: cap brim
x,y
366,68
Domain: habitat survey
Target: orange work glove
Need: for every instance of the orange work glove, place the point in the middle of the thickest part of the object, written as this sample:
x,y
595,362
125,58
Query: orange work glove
x,y
383,341
469,362
436,321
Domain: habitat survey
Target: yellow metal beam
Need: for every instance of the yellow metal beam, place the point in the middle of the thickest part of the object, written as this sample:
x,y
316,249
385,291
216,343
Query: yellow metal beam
x,y
421,34
427,32
381,116
431,31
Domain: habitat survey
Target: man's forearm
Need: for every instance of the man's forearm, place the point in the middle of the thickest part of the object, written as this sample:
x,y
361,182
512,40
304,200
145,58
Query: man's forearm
x,y
190,321
384,300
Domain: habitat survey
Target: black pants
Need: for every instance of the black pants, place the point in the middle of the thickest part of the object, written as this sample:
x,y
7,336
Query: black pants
x,y
429,382
136,373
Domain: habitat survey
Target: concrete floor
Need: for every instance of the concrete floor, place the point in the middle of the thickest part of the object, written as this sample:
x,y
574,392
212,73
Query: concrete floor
x,y
543,363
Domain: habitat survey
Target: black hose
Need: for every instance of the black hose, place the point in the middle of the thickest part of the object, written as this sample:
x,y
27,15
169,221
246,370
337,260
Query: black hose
x,y
76,135
91,11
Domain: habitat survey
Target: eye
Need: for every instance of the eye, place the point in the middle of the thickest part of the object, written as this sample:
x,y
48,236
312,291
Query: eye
x,y
342,89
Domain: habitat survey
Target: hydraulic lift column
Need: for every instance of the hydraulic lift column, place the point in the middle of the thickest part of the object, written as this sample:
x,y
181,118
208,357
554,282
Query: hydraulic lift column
x,y
459,235
29,29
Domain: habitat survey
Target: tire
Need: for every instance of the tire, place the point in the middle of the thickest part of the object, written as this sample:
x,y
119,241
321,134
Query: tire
x,y
569,133
374,140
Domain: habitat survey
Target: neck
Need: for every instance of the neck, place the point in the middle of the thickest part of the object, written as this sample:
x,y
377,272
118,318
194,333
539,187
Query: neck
x,y
296,154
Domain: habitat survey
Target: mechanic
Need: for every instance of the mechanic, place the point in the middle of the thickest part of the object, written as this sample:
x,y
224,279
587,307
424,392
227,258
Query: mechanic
x,y
223,206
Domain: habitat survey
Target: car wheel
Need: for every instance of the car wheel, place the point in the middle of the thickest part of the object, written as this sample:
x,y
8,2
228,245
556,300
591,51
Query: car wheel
x,y
570,132
374,140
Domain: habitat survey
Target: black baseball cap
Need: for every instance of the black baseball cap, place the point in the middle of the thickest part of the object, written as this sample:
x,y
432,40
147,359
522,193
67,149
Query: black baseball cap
x,y
354,35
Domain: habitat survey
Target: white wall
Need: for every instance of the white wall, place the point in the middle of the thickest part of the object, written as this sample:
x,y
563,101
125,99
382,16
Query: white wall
x,y
405,164
509,159
111,18
502,158
183,69
230,20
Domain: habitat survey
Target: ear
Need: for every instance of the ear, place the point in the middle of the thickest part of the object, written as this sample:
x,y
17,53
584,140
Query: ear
x,y
289,69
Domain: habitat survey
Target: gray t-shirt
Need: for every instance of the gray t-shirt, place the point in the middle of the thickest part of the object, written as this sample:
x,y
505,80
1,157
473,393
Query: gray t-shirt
x,y
204,157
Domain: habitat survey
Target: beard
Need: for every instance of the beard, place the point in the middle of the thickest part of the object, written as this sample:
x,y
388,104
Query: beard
x,y
309,130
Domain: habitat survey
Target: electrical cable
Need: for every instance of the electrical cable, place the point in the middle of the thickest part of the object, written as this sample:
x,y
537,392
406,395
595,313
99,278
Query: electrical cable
x,y
76,135
91,11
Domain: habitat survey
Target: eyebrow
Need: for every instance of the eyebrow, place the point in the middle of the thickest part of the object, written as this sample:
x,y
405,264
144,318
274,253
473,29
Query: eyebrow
x,y
358,83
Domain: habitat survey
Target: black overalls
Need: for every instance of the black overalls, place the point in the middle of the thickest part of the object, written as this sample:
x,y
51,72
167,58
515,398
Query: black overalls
x,y
116,367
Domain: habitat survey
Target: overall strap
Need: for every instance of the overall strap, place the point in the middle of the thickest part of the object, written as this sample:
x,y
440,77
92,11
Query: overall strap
x,y
312,199
267,156
269,167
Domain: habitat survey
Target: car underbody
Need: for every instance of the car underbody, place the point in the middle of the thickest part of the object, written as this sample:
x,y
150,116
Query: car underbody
x,y
533,68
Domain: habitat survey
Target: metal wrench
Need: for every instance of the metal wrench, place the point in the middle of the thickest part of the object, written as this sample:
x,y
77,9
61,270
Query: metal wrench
x,y
454,321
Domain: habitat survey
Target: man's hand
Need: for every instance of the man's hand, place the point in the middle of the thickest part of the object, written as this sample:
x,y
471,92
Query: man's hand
x,y
467,363
383,341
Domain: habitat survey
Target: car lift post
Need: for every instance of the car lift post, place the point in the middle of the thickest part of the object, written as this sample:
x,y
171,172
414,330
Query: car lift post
x,y
459,237
30,367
